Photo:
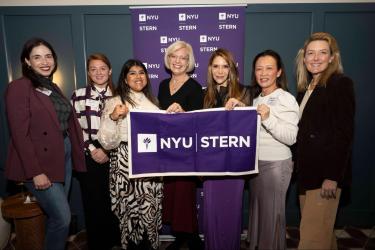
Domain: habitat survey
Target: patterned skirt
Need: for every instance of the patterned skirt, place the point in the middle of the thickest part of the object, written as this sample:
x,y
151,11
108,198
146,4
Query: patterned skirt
x,y
135,202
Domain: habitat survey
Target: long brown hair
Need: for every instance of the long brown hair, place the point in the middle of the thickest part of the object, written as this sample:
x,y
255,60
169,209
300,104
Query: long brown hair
x,y
335,67
104,59
234,87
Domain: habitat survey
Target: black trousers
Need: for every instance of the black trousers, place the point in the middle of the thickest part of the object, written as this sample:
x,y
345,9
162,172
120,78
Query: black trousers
x,y
102,225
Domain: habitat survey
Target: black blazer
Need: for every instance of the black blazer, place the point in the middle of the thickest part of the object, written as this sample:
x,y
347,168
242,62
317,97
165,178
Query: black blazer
x,y
325,135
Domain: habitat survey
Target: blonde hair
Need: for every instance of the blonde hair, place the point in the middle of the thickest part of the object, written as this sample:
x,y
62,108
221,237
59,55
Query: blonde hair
x,y
177,46
335,67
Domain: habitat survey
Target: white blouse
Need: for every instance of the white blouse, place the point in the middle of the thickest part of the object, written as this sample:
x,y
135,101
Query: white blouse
x,y
112,133
304,101
279,130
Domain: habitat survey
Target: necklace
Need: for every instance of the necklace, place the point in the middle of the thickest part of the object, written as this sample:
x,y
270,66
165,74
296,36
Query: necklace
x,y
175,84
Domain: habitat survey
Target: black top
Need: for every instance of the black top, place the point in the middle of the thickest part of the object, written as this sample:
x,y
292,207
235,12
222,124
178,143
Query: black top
x,y
222,96
325,135
60,103
189,96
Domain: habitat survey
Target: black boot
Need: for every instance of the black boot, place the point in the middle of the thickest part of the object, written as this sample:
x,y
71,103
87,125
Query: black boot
x,y
179,241
145,244
195,242
131,245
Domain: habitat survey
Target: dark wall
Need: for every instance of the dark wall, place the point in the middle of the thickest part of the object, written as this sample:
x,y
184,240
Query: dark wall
x,y
284,28
78,31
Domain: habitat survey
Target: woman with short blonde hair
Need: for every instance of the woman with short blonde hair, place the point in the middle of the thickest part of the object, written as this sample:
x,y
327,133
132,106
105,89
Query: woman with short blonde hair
x,y
181,93
177,46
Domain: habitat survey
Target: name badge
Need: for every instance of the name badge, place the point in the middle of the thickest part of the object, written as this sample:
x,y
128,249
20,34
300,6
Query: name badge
x,y
44,91
272,101
93,104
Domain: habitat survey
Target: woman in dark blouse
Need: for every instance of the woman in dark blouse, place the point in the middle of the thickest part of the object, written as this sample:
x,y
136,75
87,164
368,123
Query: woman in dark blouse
x,y
178,94
222,207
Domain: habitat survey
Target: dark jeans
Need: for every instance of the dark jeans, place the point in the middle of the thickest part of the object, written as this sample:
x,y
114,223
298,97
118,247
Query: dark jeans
x,y
54,203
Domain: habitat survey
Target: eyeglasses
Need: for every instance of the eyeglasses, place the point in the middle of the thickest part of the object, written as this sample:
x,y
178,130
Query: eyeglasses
x,y
180,58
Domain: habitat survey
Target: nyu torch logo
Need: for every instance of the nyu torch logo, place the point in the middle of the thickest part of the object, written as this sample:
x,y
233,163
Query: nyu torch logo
x,y
147,143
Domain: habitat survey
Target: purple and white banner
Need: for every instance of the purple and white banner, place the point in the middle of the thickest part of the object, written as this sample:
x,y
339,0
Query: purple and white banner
x,y
211,142
205,27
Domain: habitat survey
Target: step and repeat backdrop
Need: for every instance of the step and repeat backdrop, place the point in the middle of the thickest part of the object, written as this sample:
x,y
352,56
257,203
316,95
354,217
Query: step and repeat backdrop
x,y
206,28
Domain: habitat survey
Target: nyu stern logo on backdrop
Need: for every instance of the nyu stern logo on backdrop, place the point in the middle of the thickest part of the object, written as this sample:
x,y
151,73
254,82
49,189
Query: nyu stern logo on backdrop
x,y
203,38
151,68
166,39
151,65
144,17
206,38
183,17
225,16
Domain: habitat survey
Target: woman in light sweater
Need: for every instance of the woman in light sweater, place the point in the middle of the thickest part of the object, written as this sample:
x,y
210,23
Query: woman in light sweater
x,y
278,111
136,202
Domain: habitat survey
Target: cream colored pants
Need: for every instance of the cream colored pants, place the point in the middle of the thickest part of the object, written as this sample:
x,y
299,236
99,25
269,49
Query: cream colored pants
x,y
318,217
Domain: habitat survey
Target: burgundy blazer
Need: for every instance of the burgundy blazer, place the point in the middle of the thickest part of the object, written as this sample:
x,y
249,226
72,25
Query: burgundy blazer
x,y
36,142
325,135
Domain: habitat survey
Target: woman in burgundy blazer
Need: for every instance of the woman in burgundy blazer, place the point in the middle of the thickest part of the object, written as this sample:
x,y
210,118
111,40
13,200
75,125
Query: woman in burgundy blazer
x,y
45,138
324,140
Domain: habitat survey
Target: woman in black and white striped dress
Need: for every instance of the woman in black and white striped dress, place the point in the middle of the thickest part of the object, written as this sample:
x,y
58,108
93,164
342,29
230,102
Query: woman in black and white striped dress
x,y
136,202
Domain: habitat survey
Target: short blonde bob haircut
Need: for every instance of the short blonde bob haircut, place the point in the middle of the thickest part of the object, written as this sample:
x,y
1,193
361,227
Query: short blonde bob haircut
x,y
180,45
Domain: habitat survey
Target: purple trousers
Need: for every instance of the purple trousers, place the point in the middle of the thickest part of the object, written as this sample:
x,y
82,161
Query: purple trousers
x,y
222,213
